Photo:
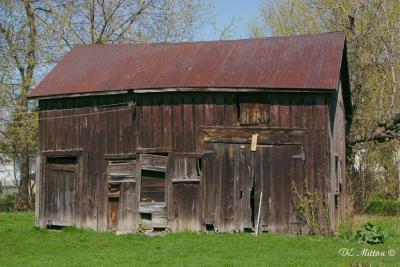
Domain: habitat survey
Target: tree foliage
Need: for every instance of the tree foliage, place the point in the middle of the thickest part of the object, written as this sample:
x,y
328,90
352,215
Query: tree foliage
x,y
372,32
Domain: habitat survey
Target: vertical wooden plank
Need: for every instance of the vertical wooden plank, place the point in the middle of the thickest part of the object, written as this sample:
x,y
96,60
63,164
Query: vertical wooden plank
x,y
199,119
167,122
229,181
210,182
297,175
158,140
238,190
177,123
283,112
307,122
274,113
188,122
38,194
147,123
268,210
220,116
127,221
209,113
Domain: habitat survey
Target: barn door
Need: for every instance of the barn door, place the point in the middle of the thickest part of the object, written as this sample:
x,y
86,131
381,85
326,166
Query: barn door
x,y
60,188
183,178
227,187
275,169
234,177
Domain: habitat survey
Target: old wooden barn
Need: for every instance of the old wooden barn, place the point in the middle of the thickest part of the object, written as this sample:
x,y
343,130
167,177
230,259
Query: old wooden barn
x,y
186,136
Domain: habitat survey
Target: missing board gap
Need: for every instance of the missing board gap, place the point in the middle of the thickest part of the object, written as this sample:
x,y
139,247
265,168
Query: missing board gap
x,y
62,160
55,227
210,227
199,167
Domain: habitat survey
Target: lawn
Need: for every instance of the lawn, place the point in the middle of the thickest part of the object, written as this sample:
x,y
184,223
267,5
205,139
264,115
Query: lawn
x,y
21,244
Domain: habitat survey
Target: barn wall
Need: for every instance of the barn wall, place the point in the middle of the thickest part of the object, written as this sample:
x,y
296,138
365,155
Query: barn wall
x,y
337,134
76,124
171,122
309,111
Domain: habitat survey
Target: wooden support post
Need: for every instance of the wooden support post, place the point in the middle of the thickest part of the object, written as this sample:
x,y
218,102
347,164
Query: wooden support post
x,y
259,213
253,146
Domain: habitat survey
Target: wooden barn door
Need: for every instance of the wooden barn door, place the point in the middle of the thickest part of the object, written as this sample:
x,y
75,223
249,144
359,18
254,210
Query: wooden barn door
x,y
183,180
60,189
275,169
236,170
227,187
234,177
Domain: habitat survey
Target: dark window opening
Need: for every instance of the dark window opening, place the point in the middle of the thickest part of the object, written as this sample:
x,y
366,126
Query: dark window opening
x,y
62,160
158,229
153,186
210,227
146,216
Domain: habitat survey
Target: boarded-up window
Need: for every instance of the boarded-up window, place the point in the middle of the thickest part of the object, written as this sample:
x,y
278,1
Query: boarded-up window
x,y
153,169
122,171
153,186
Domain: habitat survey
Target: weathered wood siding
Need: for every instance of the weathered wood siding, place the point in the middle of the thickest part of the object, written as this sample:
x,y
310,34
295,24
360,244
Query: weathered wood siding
x,y
77,124
172,121
337,134
170,124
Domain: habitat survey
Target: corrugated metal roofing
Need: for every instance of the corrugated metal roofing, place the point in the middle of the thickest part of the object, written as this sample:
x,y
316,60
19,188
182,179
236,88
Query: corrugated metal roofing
x,y
297,62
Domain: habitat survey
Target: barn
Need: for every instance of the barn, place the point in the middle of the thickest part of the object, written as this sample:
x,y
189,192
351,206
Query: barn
x,y
223,136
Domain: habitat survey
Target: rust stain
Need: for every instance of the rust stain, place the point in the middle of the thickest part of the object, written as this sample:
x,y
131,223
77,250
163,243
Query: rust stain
x,y
296,62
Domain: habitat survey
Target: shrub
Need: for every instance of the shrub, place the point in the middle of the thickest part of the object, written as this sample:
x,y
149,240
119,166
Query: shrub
x,y
370,233
382,206
7,202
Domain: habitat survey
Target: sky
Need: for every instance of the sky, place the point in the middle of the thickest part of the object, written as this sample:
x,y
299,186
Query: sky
x,y
243,11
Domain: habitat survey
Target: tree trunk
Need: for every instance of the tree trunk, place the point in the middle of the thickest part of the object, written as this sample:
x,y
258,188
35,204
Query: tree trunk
x,y
24,201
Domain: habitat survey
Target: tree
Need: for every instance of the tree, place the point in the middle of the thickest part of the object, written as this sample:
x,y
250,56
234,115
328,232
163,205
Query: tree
x,y
372,34
18,35
118,21
35,34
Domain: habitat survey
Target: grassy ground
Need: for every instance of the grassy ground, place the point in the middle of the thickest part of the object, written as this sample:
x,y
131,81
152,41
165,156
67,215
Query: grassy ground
x,y
23,245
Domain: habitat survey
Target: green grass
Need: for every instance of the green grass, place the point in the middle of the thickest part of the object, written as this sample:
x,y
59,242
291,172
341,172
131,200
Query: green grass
x,y
384,207
21,244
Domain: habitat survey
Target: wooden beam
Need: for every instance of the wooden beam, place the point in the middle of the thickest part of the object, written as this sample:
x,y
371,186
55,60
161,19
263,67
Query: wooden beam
x,y
243,135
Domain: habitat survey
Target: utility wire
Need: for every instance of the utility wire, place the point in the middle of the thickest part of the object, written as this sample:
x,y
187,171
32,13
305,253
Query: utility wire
x,y
77,115
69,109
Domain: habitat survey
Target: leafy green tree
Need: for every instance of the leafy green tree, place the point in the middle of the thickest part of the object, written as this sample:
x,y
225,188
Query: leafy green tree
x,y
373,43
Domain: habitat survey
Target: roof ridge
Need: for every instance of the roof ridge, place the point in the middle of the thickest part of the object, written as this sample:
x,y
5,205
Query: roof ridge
x,y
211,41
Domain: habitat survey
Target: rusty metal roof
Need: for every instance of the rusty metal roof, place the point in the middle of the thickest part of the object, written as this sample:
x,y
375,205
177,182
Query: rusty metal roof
x,y
296,62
